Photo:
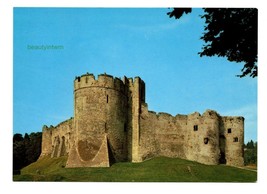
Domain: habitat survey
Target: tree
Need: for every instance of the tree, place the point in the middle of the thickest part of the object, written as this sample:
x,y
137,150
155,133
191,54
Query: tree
x,y
18,152
26,150
17,137
250,145
33,147
250,153
230,33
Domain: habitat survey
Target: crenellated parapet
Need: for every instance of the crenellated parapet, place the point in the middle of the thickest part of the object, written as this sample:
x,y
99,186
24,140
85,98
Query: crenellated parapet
x,y
102,81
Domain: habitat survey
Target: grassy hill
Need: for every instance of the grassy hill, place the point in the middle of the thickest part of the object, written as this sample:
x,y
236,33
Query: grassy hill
x,y
161,169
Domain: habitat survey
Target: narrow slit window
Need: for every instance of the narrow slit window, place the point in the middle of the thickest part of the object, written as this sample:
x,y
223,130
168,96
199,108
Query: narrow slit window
x,y
107,98
229,130
195,127
125,127
79,79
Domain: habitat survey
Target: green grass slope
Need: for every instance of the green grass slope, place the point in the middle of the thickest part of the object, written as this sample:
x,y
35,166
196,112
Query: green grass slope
x,y
161,169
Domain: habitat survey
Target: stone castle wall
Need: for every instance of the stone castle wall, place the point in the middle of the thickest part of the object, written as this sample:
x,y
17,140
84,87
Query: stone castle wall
x,y
112,123
57,140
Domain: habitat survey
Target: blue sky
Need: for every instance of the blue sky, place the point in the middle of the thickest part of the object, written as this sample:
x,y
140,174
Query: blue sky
x,y
131,42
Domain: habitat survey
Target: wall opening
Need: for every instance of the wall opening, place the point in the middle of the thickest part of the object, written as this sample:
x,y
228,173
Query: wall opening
x,y
107,98
195,127
206,140
125,127
229,130
236,139
79,79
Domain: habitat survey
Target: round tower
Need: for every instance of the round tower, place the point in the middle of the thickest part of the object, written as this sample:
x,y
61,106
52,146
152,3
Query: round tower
x,y
234,140
202,137
100,120
210,143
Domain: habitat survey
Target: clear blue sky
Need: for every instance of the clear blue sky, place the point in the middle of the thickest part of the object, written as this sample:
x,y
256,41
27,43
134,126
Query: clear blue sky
x,y
131,42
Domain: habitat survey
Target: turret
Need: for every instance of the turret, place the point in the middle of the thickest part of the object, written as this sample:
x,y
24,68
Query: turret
x,y
100,114
232,133
203,137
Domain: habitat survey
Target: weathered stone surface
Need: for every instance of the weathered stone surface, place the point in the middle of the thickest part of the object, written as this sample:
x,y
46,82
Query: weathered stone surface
x,y
112,123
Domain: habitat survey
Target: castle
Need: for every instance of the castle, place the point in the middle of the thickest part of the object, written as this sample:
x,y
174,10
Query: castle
x,y
112,123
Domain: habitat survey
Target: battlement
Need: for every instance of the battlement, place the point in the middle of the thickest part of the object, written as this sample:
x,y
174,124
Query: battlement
x,y
211,114
164,114
103,80
238,119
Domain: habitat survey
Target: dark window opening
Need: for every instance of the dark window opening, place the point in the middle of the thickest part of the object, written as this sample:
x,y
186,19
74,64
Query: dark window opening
x,y
236,139
125,127
195,127
79,79
206,140
229,130
107,98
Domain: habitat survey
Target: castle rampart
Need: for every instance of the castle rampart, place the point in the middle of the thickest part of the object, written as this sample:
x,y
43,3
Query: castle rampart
x,y
57,140
112,123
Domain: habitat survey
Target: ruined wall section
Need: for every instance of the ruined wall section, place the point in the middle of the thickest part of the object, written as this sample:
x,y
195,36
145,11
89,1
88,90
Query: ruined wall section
x,y
148,143
232,137
162,134
170,135
100,113
46,141
56,141
202,137
62,138
194,137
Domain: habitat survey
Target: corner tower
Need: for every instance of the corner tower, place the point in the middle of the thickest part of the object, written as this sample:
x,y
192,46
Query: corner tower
x,y
100,121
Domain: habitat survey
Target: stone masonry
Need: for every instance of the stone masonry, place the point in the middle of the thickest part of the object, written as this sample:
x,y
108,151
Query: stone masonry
x,y
112,123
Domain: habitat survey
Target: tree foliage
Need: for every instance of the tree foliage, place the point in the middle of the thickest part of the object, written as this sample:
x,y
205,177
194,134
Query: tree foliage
x,y
26,150
230,33
250,153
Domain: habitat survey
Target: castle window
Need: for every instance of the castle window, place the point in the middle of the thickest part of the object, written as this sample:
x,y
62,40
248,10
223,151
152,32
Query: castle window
x,y
79,79
107,98
125,127
229,130
236,139
206,140
195,127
